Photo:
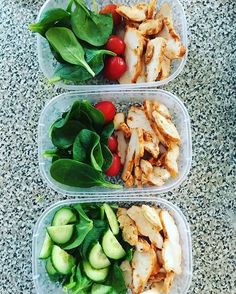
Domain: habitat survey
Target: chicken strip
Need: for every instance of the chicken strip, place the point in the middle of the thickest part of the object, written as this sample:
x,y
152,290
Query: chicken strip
x,y
151,9
171,255
170,160
135,13
122,145
142,245
152,216
169,227
127,272
151,27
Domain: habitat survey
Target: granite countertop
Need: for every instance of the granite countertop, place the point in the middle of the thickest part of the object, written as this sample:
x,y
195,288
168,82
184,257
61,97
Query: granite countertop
x,y
207,197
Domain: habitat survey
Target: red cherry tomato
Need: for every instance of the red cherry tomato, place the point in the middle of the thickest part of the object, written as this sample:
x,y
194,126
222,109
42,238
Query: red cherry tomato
x,y
116,45
115,67
115,166
107,108
111,8
112,143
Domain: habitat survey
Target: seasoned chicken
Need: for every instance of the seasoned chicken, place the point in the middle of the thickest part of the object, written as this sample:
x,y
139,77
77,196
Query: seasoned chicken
x,y
171,158
142,264
127,272
145,228
135,43
118,120
122,145
169,227
156,266
151,9
166,127
152,216
154,180
171,255
142,245
130,181
174,49
159,135
138,173
128,227
151,148
165,12
161,173
151,27
135,13
125,129
153,66
146,167
140,147
168,282
161,108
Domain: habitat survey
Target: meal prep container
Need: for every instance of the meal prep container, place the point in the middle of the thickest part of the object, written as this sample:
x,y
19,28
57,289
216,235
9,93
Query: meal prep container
x,y
48,63
122,100
181,282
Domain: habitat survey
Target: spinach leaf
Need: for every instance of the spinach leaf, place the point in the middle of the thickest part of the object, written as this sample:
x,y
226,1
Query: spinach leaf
x,y
65,43
116,280
82,229
77,174
48,19
89,26
64,137
95,114
83,282
87,146
108,157
94,235
129,254
77,73
72,282
107,132
56,154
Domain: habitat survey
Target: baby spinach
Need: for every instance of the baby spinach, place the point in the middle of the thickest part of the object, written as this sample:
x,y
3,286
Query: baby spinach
x,y
48,19
107,131
87,148
77,73
116,280
65,43
89,26
95,114
77,174
108,157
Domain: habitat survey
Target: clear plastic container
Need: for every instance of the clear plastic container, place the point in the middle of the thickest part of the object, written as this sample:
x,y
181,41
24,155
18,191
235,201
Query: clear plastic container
x,y
181,283
48,64
59,104
122,100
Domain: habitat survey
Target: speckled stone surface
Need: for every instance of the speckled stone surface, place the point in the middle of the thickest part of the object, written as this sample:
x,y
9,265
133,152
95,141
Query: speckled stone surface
x,y
207,198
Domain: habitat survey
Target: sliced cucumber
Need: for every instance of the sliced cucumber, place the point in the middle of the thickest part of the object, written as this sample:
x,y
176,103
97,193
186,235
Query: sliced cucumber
x,y
62,261
64,216
95,274
112,219
97,258
111,246
101,289
61,234
50,268
46,248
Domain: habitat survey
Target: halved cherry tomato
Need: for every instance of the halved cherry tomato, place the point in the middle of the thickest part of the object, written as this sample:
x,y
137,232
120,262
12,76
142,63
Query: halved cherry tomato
x,y
115,166
112,143
116,45
107,108
115,67
111,8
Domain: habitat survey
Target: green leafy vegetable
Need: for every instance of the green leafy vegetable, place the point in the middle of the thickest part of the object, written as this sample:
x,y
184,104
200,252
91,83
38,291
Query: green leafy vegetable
x,y
48,19
108,157
82,229
72,281
87,146
95,114
116,280
65,43
77,174
107,132
77,73
129,254
89,26
56,154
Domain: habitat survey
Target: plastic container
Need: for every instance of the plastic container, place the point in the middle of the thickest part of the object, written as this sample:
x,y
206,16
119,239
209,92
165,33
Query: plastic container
x,y
48,64
181,283
123,100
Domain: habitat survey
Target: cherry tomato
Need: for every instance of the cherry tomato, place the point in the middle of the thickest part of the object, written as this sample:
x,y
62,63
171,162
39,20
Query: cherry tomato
x,y
111,8
108,109
115,67
115,166
112,143
116,45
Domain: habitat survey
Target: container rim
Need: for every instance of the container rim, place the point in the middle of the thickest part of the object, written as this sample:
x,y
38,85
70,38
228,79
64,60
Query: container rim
x,y
102,87
149,190
128,198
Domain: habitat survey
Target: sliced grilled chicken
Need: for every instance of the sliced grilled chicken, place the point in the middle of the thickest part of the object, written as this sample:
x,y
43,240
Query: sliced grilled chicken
x,y
142,245
165,68
161,108
171,255
151,9
135,13
151,27
169,227
154,180
170,160
168,282
118,119
151,214
130,181
151,148
153,67
146,167
127,273
161,173
122,145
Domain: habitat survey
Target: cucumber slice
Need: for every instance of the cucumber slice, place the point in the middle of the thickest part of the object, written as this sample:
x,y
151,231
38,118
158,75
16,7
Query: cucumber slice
x,y
112,219
64,216
50,268
46,248
111,246
61,234
101,289
97,258
95,274
62,261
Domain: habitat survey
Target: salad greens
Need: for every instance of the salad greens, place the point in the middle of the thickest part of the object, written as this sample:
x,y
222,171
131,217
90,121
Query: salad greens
x,y
71,264
81,153
75,36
